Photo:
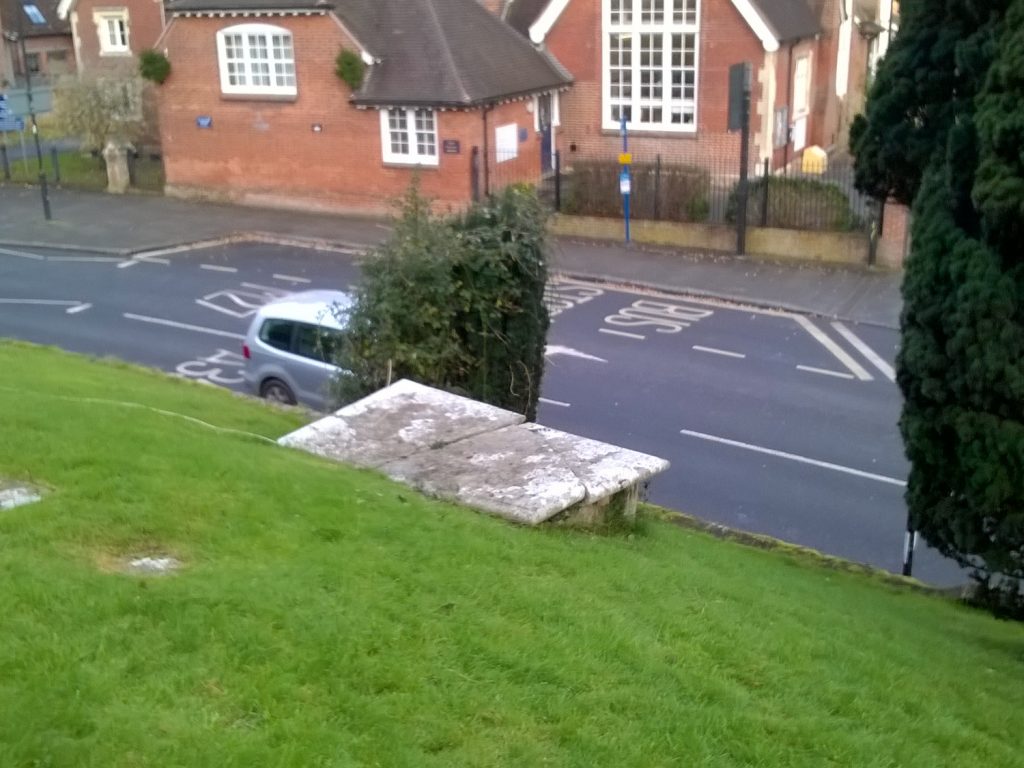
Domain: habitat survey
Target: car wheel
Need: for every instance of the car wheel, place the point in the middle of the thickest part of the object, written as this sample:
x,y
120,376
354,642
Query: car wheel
x,y
277,391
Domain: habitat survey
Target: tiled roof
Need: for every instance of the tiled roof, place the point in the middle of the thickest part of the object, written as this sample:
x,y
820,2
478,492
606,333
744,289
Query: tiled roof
x,y
444,52
788,19
426,52
10,11
522,13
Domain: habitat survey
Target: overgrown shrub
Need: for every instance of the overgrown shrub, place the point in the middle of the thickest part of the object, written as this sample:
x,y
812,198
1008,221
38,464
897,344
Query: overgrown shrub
x,y
673,193
154,66
350,68
455,303
100,109
795,203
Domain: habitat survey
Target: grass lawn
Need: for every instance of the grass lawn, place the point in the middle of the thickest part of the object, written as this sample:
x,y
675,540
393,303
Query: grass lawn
x,y
327,617
82,171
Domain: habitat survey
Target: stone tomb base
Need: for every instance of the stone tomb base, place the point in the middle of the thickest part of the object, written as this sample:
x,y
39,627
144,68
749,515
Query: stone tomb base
x,y
484,457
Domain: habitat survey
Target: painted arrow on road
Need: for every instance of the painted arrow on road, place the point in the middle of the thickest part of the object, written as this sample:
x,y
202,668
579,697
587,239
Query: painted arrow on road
x,y
554,349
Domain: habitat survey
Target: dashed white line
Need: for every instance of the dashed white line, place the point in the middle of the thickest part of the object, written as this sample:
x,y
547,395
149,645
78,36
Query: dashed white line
x,y
184,326
559,403
291,279
825,372
622,333
80,308
22,254
722,352
129,263
819,335
868,352
218,268
796,457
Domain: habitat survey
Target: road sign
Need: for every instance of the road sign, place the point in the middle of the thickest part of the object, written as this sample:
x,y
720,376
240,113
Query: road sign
x,y
11,123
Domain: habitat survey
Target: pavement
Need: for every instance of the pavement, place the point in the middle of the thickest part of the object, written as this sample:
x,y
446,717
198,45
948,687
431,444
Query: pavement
x,y
131,224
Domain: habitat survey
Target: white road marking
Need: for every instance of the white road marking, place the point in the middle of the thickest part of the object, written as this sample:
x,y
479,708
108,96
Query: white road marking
x,y
184,326
153,260
795,457
867,351
819,335
722,352
129,263
555,349
622,333
825,371
80,308
291,279
218,268
42,302
559,403
94,259
22,254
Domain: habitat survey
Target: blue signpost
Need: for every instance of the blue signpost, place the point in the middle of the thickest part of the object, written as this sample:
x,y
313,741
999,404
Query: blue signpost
x,y
625,182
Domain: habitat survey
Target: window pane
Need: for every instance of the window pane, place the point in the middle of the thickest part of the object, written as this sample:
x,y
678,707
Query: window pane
x,y
425,142
277,334
398,130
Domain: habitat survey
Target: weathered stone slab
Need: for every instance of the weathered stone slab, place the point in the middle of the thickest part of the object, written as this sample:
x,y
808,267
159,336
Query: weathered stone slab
x,y
484,457
525,473
395,422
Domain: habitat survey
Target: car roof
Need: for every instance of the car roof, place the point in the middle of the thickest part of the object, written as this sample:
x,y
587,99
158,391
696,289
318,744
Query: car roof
x,y
313,307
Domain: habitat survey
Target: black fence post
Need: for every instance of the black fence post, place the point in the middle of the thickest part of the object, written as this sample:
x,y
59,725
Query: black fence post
x,y
474,173
657,187
55,162
46,196
5,162
558,181
764,194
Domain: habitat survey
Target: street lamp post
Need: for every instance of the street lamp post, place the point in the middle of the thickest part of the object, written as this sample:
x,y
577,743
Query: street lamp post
x,y
19,37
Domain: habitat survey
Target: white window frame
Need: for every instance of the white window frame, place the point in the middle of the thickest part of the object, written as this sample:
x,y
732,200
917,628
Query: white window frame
x,y
414,156
666,26
279,85
104,18
802,92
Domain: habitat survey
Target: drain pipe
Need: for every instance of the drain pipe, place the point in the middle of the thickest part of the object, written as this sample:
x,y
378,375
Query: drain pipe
x,y
487,151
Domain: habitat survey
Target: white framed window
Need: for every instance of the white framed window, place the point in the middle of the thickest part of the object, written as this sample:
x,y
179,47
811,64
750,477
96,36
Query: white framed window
x,y
802,86
650,54
113,30
256,59
409,136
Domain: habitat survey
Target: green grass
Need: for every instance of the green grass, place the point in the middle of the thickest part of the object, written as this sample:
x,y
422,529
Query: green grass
x,y
327,617
82,171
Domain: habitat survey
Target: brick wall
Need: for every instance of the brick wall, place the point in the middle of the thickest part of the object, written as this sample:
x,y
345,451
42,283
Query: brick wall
x,y
145,23
725,39
265,151
894,240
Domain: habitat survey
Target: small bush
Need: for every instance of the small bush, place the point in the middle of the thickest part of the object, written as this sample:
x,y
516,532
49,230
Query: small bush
x,y
454,303
350,68
675,193
795,203
154,66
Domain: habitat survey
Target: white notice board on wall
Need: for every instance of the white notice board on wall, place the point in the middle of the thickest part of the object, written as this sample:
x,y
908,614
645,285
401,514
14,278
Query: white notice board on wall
x,y
506,142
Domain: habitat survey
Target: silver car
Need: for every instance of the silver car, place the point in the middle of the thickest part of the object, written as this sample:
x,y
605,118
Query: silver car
x,y
290,346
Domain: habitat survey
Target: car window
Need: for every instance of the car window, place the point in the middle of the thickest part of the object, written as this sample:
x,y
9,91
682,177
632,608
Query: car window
x,y
316,342
277,333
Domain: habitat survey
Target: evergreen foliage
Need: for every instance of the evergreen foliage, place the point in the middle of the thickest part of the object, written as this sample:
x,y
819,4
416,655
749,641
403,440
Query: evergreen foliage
x,y
350,68
154,66
961,366
455,303
930,75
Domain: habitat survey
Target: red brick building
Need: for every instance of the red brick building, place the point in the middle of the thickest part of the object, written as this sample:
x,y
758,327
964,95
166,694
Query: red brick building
x,y
48,48
665,64
253,110
109,36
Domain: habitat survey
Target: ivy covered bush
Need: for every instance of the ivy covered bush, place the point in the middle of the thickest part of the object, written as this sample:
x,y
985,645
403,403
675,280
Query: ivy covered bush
x,y
455,303
154,66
